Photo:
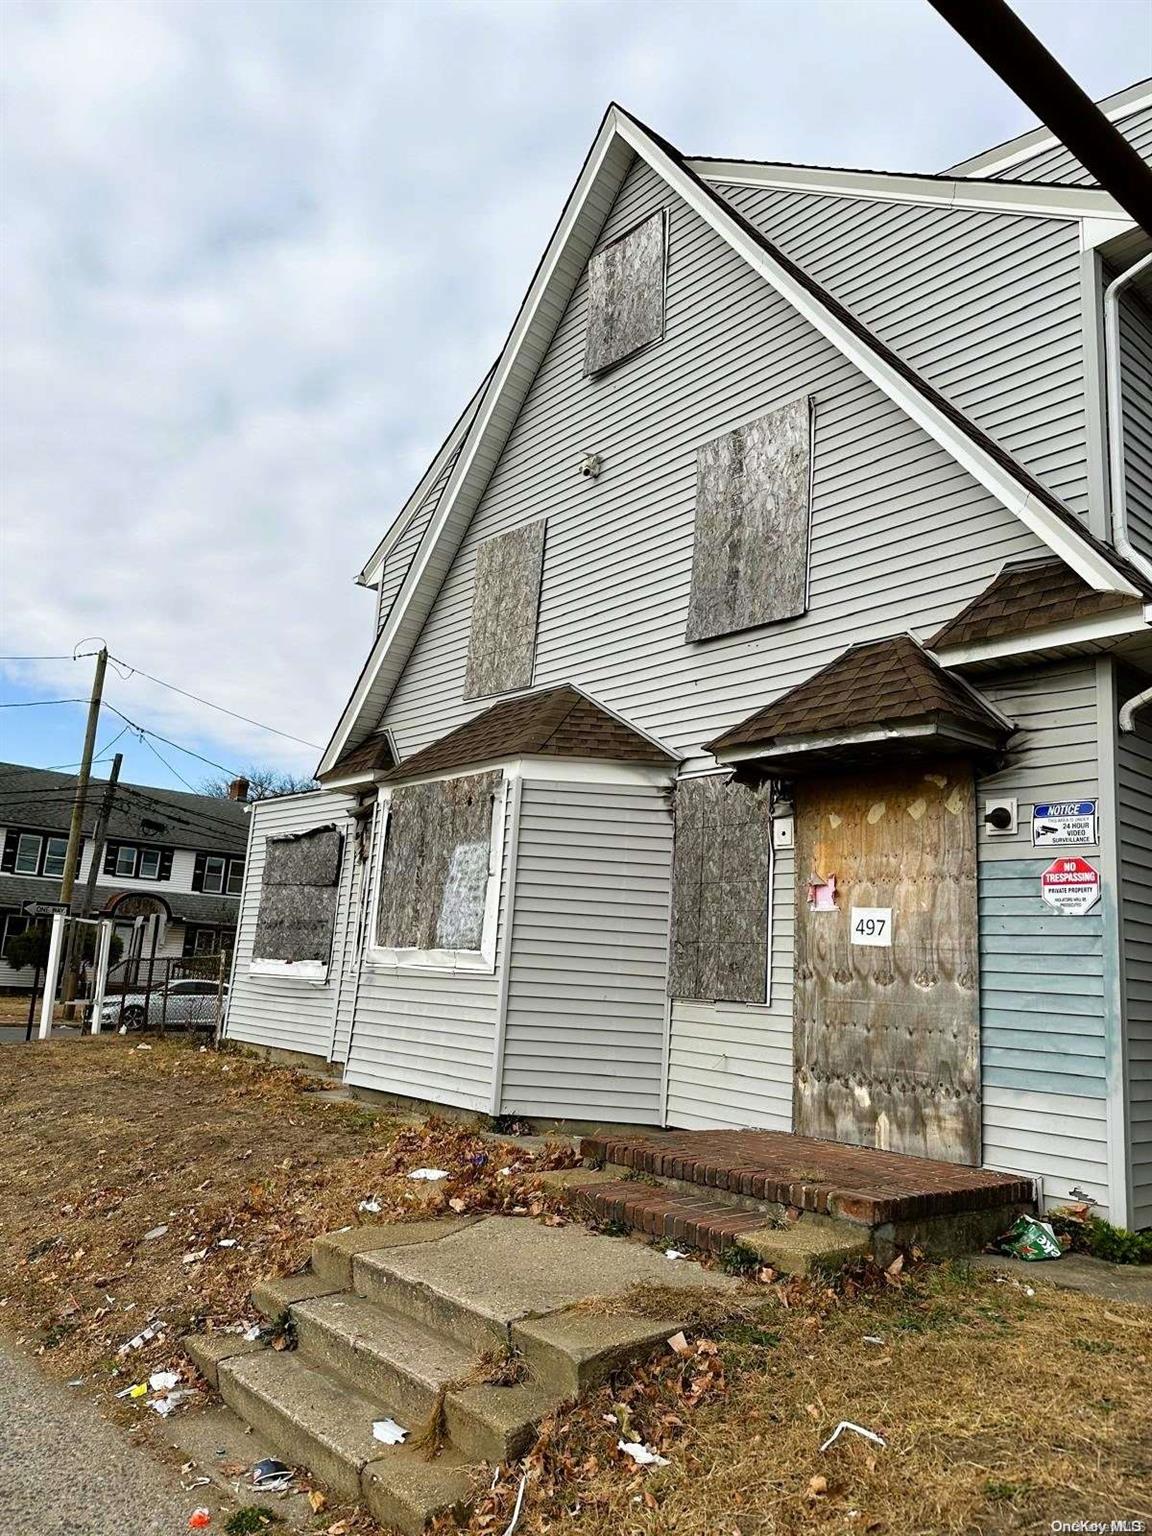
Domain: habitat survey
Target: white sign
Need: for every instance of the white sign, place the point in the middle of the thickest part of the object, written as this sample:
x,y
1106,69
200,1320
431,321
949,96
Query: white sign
x,y
872,925
1065,824
1071,886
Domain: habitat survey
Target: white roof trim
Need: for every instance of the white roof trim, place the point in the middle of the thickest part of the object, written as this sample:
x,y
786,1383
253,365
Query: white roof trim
x,y
583,217
993,197
370,575
1003,157
1086,632
865,736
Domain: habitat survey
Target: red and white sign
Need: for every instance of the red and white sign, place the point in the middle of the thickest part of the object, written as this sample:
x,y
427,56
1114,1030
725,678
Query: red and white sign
x,y
1071,885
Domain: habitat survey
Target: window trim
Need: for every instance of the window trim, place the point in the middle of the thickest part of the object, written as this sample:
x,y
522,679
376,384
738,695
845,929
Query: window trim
x,y
450,962
209,860
38,858
233,866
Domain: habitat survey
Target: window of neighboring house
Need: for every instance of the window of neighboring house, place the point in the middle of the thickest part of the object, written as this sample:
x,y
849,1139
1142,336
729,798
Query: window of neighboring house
x,y
205,941
215,869
125,862
28,848
235,877
15,924
149,868
55,851
128,861
440,873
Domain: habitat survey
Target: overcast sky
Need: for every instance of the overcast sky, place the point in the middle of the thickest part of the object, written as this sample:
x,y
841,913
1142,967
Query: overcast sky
x,y
256,257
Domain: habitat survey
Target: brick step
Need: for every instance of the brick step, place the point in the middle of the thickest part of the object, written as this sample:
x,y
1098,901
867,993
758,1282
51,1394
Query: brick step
x,y
689,1220
773,1168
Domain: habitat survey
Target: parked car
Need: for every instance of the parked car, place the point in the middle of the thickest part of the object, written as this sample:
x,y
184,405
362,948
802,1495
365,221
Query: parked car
x,y
192,1002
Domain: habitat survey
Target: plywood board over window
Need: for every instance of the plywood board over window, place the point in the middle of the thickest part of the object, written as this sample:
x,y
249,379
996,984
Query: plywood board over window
x,y
505,604
626,295
298,894
436,865
753,492
721,873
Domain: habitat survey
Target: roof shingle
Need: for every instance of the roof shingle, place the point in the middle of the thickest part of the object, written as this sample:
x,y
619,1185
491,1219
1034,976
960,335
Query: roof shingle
x,y
880,683
557,722
1027,596
370,756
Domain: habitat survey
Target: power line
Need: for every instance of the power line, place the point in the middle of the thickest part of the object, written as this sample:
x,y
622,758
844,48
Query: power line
x,y
247,719
174,771
37,658
39,703
143,731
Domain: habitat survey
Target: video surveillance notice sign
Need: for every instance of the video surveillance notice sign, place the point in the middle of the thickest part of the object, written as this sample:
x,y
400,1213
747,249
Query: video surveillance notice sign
x,y
1064,823
1071,886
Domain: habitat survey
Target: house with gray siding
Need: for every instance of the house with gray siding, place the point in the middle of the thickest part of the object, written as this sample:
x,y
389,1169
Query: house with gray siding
x,y
754,732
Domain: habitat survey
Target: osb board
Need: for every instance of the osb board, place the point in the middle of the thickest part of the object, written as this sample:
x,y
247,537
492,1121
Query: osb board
x,y
721,868
887,1040
750,556
434,873
298,895
305,858
505,604
626,295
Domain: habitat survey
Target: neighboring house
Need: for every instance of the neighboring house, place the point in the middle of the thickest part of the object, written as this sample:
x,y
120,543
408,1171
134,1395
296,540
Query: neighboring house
x,y
725,653
170,873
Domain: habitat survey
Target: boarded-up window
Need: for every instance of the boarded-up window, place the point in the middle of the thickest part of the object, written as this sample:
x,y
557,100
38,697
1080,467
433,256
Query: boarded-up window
x,y
505,602
750,558
298,897
722,866
436,865
626,295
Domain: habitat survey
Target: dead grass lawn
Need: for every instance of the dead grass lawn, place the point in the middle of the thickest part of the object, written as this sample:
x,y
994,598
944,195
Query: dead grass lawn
x,y
1001,1411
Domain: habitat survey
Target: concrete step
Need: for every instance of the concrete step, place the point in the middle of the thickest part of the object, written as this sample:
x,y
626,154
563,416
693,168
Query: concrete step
x,y
388,1358
478,1284
315,1421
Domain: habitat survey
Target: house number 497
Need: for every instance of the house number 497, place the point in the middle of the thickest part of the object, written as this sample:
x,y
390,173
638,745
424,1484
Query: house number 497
x,y
872,925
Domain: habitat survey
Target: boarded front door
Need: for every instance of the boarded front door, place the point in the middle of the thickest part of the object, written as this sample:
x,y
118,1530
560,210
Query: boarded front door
x,y
887,1034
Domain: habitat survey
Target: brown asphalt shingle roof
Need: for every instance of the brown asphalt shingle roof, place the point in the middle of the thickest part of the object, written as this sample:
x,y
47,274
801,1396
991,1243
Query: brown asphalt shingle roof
x,y
883,682
557,722
1028,596
370,755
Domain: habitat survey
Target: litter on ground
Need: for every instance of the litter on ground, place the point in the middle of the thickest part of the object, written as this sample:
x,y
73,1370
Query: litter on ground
x,y
388,1432
163,1381
856,1430
272,1476
199,1519
430,1174
150,1237
371,1206
145,1336
642,1455
675,1253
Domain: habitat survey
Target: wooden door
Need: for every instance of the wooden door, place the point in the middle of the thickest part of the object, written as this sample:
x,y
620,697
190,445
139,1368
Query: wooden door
x,y
887,1036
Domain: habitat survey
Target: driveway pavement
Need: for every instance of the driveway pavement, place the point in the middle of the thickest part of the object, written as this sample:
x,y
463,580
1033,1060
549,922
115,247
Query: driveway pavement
x,y
64,1471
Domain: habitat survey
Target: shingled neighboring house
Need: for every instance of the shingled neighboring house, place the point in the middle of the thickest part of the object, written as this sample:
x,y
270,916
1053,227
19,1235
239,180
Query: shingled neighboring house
x,y
175,860
743,742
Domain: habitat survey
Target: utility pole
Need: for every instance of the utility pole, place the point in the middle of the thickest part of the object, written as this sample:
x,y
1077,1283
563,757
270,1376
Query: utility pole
x,y
76,829
99,836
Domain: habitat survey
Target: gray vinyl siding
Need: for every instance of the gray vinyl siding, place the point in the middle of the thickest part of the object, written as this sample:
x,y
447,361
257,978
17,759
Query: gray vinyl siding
x,y
730,1064
1136,393
399,559
350,934
294,1015
425,1034
1042,987
987,306
1135,817
901,535
586,1006
1059,164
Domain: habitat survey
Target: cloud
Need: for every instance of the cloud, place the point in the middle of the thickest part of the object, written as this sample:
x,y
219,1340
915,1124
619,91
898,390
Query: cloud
x,y
257,258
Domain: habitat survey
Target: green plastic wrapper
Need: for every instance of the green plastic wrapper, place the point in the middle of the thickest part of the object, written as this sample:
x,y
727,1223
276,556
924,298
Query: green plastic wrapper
x,y
1032,1239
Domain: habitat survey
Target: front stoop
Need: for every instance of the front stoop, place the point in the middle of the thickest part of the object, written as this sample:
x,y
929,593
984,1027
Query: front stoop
x,y
797,1203
392,1321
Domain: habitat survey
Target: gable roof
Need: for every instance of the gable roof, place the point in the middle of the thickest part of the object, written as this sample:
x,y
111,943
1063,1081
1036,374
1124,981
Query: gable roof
x,y
878,684
1001,157
372,755
621,138
1025,596
556,722
41,799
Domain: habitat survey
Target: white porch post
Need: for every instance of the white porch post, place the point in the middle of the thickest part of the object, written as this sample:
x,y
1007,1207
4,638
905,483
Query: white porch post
x,y
52,974
103,951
